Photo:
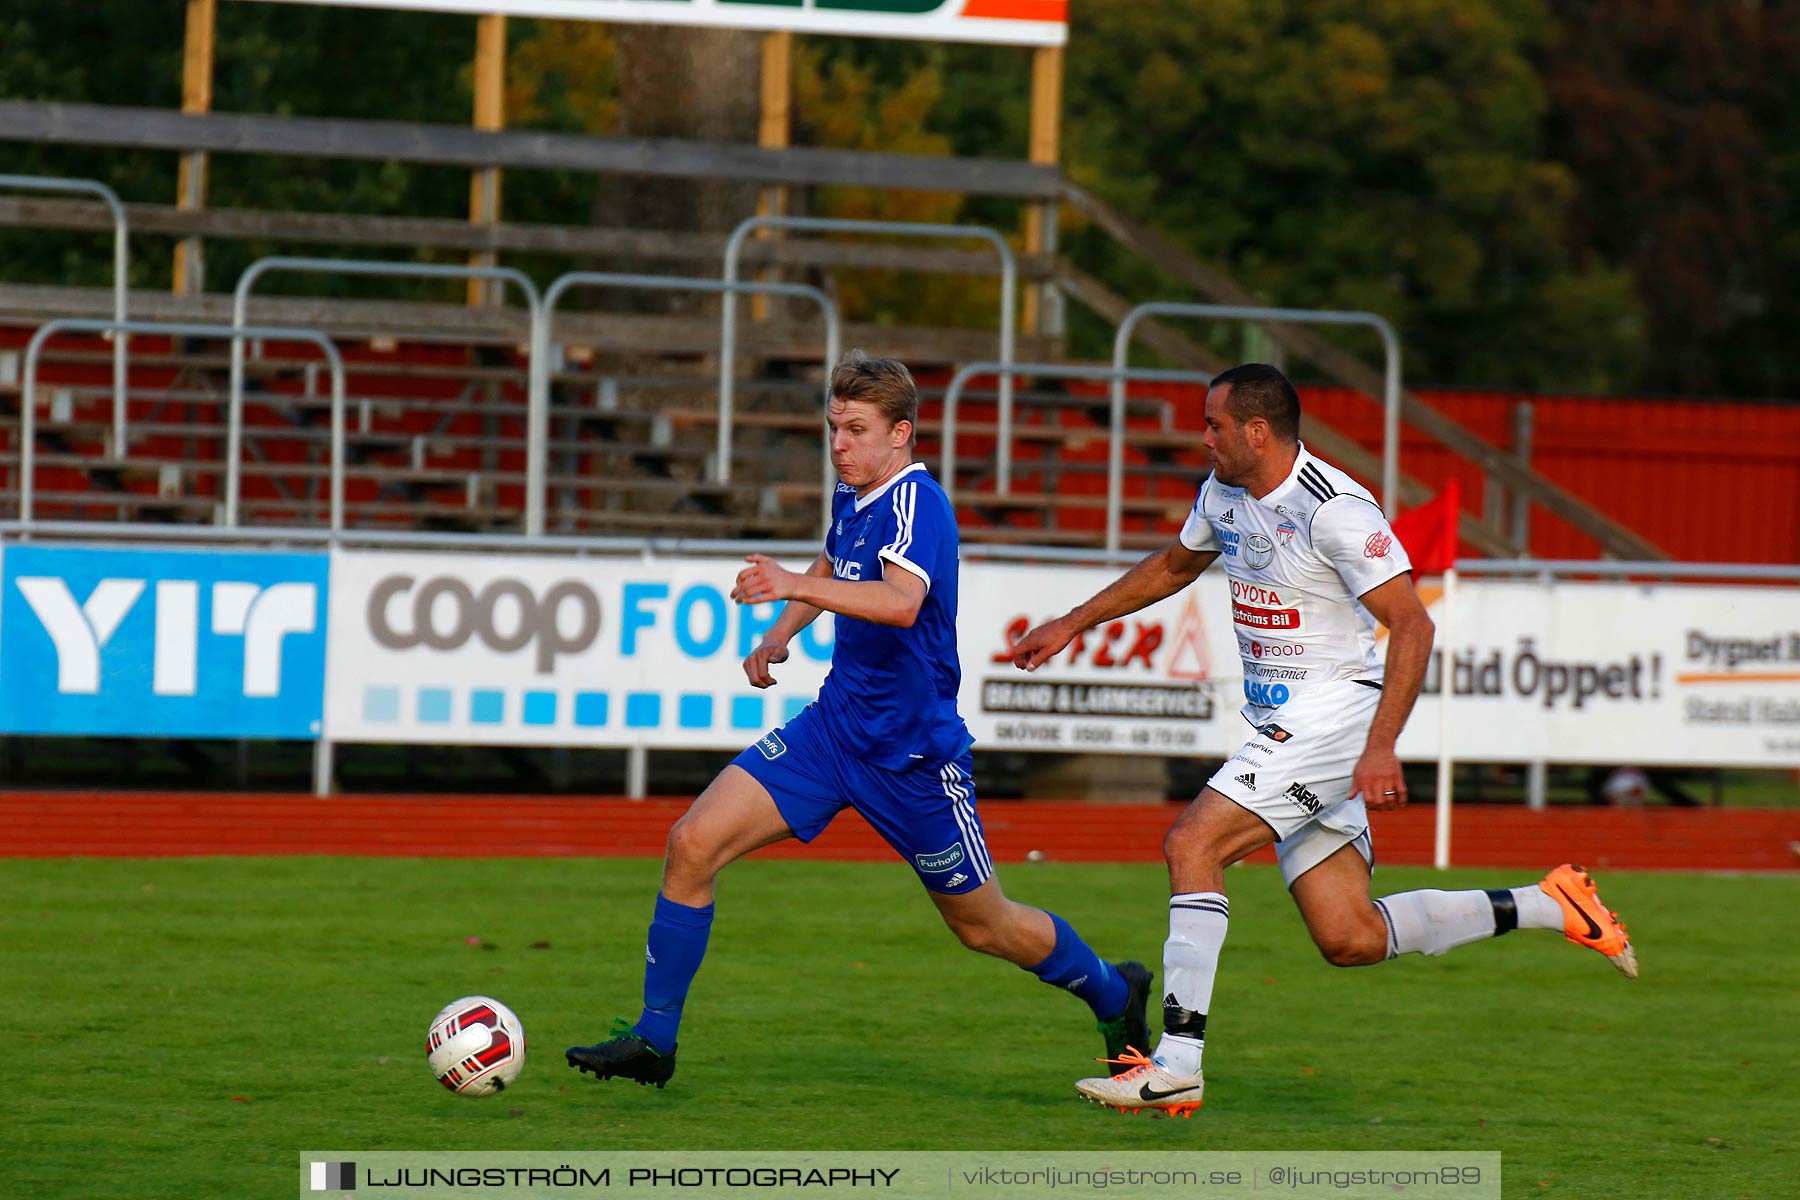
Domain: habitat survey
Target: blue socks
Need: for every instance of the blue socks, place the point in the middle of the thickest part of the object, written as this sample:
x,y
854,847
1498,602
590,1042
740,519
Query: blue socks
x,y
677,943
1073,966
672,955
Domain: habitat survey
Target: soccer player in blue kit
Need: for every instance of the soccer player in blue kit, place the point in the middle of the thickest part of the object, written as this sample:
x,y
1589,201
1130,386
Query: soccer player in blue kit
x,y
884,737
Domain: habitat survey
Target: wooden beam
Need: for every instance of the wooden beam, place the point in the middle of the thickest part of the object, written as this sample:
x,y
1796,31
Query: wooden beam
x,y
634,245
449,145
196,97
490,114
774,132
1044,150
797,340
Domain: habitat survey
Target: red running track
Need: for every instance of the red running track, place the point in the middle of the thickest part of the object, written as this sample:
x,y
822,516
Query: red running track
x,y
167,824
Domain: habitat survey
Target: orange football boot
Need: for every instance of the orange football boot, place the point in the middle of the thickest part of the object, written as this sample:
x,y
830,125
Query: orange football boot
x,y
1586,920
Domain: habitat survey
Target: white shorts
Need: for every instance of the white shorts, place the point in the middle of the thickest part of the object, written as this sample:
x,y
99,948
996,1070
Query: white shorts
x,y
1295,774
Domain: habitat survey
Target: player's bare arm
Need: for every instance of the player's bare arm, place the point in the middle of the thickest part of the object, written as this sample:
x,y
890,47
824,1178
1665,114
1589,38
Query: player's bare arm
x,y
894,599
774,646
1396,605
1156,577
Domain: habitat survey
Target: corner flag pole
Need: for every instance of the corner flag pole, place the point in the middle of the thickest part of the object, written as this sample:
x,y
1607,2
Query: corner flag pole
x,y
1441,855
1446,679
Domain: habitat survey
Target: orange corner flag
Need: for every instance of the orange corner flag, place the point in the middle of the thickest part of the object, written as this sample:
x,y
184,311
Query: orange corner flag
x,y
1429,532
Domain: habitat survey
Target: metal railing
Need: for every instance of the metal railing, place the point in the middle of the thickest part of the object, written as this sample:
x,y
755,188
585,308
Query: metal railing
x,y
28,425
537,381
121,273
1115,463
1551,568
729,288
1009,284
1390,430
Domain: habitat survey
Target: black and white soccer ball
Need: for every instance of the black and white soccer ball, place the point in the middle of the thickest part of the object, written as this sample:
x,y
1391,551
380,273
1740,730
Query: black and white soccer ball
x,y
476,1046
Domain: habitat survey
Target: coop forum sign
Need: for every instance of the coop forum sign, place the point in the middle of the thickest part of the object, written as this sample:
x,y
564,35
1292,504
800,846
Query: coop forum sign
x,y
1006,22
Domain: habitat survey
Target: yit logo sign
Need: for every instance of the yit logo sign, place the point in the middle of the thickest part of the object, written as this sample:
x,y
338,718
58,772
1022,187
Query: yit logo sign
x,y
215,644
261,616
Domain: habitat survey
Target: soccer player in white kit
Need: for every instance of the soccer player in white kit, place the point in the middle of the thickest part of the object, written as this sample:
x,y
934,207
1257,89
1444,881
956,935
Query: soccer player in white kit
x,y
1313,566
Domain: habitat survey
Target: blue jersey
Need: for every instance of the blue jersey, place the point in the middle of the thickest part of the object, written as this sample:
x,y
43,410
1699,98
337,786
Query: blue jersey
x,y
890,698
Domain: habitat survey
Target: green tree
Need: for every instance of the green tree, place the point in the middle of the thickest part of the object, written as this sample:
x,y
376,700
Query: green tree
x,y
278,59
1683,122
842,103
1346,154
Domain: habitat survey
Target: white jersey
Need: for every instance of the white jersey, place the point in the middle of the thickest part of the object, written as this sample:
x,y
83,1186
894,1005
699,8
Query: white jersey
x,y
1298,559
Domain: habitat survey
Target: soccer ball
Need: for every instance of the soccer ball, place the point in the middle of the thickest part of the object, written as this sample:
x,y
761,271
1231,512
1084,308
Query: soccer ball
x,y
475,1046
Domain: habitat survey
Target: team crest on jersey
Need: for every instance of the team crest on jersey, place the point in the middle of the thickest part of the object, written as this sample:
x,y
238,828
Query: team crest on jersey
x,y
1258,551
771,745
1285,533
1377,546
946,859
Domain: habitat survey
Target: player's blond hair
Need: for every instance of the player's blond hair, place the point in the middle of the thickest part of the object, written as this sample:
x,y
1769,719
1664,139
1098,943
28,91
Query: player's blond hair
x,y
884,383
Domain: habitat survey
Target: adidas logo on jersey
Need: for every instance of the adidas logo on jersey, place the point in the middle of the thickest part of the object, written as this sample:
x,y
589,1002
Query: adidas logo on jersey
x,y
1229,518
1248,779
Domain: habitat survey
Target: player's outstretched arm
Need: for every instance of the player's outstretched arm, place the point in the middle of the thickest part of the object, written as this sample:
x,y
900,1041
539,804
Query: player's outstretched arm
x,y
774,646
1395,604
894,599
1157,577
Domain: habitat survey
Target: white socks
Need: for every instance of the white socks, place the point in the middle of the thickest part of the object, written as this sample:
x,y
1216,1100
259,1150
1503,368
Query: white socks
x,y
1423,922
1433,922
1197,924
1536,909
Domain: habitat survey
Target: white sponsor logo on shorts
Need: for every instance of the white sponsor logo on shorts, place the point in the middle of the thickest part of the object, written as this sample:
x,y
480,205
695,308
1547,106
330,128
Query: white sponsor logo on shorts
x,y
949,857
771,745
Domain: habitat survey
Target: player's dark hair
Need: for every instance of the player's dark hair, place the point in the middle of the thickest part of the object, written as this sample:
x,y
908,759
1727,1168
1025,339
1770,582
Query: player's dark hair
x,y
882,382
1259,390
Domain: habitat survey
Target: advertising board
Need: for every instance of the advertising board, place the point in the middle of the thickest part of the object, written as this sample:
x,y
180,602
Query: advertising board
x,y
554,650
167,643
1006,22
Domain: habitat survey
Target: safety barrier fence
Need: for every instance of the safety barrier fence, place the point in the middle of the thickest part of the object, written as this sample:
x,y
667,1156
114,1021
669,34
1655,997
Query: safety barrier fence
x,y
540,313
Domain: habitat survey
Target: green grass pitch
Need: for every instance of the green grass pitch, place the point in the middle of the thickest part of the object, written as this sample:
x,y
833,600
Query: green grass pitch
x,y
195,1024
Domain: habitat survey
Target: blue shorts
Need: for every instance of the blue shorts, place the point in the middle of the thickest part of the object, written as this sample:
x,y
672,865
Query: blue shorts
x,y
926,813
